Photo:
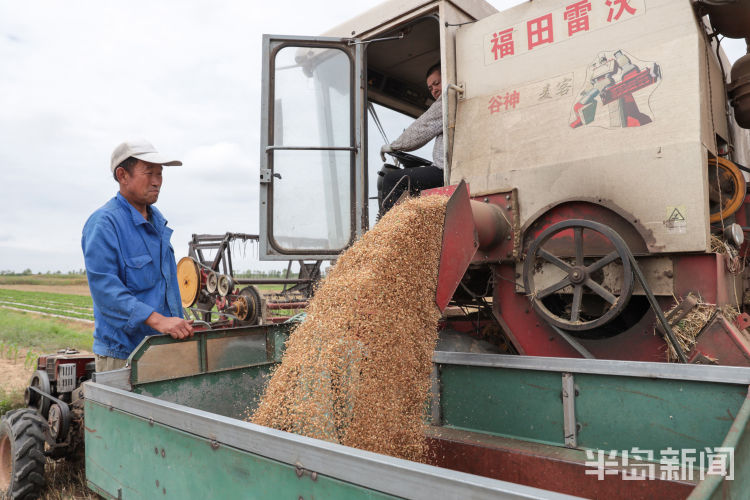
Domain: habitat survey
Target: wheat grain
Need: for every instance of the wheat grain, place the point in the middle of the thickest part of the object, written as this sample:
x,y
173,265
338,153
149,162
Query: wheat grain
x,y
357,370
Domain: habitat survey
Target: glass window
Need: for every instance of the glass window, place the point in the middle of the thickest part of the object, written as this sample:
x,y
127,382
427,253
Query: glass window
x,y
311,199
312,92
394,123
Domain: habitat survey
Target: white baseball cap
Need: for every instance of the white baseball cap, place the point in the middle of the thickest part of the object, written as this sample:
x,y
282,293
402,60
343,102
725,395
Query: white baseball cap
x,y
143,150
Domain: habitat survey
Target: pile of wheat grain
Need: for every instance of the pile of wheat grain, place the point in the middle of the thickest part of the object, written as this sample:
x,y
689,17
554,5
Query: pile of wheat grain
x,y
357,370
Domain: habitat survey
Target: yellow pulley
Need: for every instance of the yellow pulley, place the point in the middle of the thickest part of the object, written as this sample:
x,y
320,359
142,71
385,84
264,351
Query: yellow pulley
x,y
726,188
189,280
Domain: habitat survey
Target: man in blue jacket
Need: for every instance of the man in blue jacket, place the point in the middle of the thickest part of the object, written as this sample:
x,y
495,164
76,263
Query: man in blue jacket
x,y
130,263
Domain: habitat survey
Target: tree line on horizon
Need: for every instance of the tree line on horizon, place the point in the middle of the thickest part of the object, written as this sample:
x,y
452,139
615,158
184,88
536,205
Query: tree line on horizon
x,y
250,273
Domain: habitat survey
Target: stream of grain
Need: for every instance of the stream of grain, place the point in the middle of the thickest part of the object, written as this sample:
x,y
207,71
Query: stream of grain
x,y
357,370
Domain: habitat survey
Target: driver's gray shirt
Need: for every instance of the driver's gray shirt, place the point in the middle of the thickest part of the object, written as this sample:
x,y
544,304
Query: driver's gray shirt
x,y
422,131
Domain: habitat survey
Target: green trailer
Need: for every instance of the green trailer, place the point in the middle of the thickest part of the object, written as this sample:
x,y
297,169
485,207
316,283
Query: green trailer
x,y
173,424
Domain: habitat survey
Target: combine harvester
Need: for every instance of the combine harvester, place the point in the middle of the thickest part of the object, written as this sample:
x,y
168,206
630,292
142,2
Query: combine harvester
x,y
594,158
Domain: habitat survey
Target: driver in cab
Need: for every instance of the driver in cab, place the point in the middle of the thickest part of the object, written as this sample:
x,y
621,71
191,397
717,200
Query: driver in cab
x,y
425,128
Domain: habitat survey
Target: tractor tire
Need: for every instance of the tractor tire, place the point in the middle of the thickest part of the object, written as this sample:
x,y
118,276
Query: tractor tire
x,y
22,456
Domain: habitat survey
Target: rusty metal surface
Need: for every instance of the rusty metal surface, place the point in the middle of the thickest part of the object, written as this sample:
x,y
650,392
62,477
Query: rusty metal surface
x,y
509,248
739,91
542,466
721,343
731,19
578,275
531,335
459,241
629,228
705,275
742,321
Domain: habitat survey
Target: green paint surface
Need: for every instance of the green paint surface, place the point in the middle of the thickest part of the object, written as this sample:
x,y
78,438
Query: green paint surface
x,y
514,403
620,413
231,393
126,455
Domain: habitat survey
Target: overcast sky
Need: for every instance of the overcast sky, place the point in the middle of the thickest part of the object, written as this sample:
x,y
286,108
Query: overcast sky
x,y
77,78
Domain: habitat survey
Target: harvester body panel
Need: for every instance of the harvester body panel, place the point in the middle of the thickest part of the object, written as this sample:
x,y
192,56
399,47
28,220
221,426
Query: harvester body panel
x,y
546,111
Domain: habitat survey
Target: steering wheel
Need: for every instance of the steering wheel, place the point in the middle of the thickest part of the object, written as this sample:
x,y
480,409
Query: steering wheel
x,y
409,160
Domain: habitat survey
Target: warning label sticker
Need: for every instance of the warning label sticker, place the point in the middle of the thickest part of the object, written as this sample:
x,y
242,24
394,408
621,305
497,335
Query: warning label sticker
x,y
676,221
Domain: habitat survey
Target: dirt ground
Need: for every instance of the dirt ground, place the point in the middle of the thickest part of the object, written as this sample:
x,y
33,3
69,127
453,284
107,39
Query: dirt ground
x,y
71,289
15,376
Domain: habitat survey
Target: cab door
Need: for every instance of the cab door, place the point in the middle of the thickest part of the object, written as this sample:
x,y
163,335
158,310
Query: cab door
x,y
312,165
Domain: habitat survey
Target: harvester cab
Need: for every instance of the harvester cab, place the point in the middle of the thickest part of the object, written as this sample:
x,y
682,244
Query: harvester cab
x,y
600,146
328,104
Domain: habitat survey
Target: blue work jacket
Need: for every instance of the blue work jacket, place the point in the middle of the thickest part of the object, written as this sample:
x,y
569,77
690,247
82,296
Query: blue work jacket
x,y
131,270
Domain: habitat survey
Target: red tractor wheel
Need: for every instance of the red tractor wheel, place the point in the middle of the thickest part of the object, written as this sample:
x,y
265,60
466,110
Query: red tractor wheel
x,y
22,454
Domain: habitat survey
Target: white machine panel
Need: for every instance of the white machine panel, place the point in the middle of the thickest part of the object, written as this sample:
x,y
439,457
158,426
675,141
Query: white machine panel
x,y
66,377
595,100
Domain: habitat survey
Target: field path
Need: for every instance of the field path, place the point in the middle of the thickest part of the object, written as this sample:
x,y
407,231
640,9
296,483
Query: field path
x,y
21,309
69,289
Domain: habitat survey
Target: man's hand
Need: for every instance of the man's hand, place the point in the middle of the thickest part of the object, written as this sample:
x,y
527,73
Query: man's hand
x,y
385,149
177,328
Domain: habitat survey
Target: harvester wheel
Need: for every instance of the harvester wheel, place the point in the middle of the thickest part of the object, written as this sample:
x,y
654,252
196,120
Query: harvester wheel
x,y
22,454
577,273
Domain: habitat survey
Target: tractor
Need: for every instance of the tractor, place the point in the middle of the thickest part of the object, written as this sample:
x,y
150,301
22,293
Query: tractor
x,y
51,424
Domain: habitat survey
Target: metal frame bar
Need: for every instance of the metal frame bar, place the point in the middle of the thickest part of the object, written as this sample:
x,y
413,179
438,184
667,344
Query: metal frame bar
x,y
435,390
200,339
271,281
119,379
699,373
570,428
311,148
371,470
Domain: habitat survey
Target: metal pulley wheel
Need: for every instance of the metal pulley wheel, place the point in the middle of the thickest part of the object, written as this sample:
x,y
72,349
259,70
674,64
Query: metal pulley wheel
x,y
224,285
239,306
211,281
189,281
559,250
58,423
251,295
40,380
726,188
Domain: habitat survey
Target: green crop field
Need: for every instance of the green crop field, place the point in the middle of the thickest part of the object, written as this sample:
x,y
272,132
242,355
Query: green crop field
x,y
43,279
41,334
59,304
